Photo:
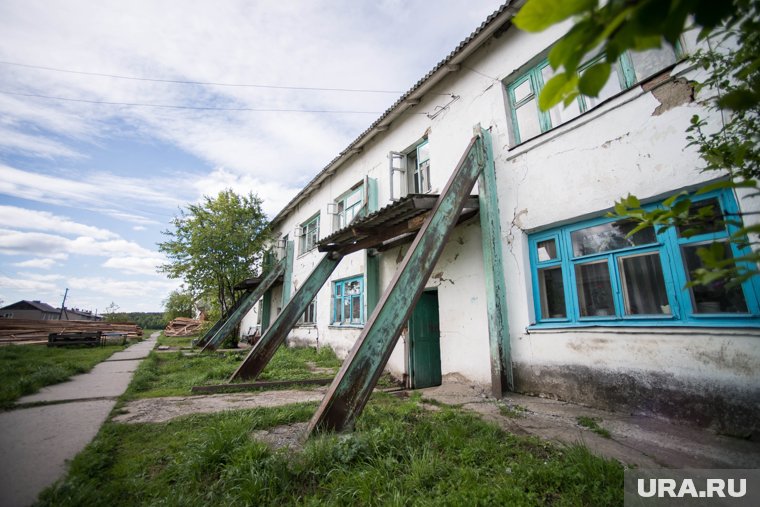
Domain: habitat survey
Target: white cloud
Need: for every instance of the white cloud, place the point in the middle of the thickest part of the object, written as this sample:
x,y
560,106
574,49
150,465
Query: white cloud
x,y
23,218
37,263
116,289
139,265
19,142
139,228
27,285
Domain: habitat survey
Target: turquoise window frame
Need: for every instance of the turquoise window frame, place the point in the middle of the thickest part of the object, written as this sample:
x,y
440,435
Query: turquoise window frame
x,y
626,77
668,245
339,296
303,241
419,181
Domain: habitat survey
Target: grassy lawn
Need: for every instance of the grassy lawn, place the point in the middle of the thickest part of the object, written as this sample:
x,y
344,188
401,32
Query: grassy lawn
x,y
400,454
173,374
176,341
24,369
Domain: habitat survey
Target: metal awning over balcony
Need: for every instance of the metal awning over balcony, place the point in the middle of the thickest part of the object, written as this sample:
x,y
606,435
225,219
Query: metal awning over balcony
x,y
390,226
252,283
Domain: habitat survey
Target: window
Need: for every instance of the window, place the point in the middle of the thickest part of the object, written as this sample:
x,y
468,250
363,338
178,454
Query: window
x,y
309,235
593,272
309,317
410,171
348,302
529,121
347,207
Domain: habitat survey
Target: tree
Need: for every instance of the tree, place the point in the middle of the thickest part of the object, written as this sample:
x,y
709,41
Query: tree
x,y
216,244
733,83
110,312
179,303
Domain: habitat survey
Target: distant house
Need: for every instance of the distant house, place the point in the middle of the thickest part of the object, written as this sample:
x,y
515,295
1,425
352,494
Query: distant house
x,y
78,314
37,310
34,310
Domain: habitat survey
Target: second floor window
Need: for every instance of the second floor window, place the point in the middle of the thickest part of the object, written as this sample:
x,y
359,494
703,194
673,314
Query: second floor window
x,y
529,121
348,206
410,171
309,235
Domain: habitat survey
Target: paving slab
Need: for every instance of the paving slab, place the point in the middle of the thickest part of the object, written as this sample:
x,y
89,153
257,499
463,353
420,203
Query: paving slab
x,y
107,379
36,442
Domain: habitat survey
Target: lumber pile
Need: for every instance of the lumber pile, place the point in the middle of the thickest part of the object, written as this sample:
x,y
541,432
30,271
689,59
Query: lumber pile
x,y
37,331
182,326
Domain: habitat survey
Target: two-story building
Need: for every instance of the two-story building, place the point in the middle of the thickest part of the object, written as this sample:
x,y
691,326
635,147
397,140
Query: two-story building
x,y
594,316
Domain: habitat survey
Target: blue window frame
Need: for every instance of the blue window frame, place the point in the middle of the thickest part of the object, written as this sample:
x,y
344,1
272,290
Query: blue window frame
x,y
348,302
348,206
591,273
529,121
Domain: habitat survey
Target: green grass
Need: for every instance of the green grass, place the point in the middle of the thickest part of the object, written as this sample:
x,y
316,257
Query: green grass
x,y
173,374
176,341
400,454
592,423
511,411
24,369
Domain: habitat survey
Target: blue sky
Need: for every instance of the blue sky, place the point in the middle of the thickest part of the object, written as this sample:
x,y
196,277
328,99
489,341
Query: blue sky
x,y
87,188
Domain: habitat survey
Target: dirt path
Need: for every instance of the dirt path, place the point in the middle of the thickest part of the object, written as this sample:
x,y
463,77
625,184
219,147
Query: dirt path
x,y
158,410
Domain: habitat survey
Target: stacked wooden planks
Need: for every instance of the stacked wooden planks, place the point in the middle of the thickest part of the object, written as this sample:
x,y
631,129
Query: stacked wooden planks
x,y
182,326
37,331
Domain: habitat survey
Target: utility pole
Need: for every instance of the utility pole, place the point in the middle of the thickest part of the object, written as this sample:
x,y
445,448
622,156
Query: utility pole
x,y
63,305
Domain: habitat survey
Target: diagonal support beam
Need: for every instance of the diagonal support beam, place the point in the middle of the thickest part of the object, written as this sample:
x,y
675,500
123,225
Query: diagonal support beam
x,y
262,352
358,376
211,332
240,311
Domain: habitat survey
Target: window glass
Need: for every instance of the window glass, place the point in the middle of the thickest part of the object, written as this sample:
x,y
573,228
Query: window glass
x,y
552,293
650,62
559,114
422,169
523,90
527,120
594,289
347,305
546,250
608,237
708,218
643,285
715,297
611,87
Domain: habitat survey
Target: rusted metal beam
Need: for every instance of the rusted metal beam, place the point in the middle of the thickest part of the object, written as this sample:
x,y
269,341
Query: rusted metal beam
x,y
493,267
231,322
264,349
356,379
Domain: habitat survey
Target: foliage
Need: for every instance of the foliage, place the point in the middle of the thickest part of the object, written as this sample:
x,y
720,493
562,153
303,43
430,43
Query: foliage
x,y
24,369
732,65
400,454
179,303
216,244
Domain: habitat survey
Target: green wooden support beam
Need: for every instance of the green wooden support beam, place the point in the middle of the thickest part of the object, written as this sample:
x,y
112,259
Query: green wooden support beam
x,y
211,332
358,376
275,335
266,310
235,317
496,289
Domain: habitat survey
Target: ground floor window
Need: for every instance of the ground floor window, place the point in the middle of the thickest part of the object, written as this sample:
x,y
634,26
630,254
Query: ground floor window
x,y
348,302
595,273
309,317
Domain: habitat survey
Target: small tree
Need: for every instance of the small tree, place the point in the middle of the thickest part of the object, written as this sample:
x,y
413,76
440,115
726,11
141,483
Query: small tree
x,y
216,244
179,303
110,312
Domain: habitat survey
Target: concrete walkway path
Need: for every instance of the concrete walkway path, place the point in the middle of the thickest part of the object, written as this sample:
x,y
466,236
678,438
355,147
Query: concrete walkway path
x,y
36,442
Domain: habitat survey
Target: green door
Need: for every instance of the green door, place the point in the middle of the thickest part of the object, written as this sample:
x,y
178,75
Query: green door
x,y
425,342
